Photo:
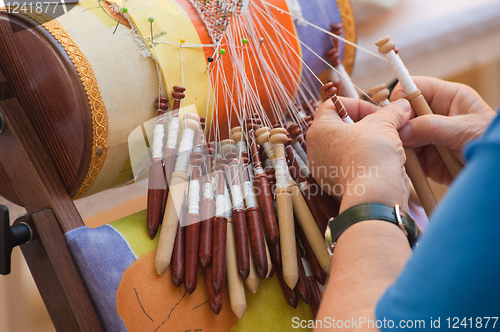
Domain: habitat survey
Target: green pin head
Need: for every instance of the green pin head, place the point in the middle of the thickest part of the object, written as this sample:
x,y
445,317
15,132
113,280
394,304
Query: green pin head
x,y
124,10
222,51
151,19
244,41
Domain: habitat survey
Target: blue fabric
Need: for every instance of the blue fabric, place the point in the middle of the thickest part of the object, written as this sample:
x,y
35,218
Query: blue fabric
x,y
102,255
454,270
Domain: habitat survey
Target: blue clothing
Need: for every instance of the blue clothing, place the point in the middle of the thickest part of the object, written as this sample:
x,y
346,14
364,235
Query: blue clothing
x,y
454,272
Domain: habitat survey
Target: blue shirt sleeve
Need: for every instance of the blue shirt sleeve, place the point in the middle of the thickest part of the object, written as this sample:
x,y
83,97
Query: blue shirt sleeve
x,y
454,272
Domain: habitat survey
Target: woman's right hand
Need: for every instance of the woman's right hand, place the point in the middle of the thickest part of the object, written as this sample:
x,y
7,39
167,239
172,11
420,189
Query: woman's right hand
x,y
461,115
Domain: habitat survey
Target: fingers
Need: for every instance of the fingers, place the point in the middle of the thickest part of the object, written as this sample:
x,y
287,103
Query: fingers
x,y
432,129
356,108
397,113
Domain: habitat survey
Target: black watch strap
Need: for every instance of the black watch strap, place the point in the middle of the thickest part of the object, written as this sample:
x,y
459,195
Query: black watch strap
x,y
369,211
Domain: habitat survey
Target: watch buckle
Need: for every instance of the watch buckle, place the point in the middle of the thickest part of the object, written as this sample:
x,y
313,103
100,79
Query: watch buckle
x,y
397,212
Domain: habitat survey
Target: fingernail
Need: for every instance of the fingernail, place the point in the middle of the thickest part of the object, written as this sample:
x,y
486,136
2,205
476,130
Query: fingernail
x,y
405,134
404,104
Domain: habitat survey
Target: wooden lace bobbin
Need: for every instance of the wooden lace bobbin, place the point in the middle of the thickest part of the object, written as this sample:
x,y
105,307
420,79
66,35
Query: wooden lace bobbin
x,y
331,92
214,299
349,89
157,180
309,121
305,218
255,230
412,165
310,228
175,197
299,142
318,215
258,244
178,253
289,293
262,135
328,205
253,280
417,101
239,220
170,151
316,269
310,107
332,55
315,294
178,95
235,283
302,286
284,200
207,210
261,185
193,224
219,227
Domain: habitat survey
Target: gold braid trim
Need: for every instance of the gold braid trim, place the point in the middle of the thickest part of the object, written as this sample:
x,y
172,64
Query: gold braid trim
x,y
349,23
98,110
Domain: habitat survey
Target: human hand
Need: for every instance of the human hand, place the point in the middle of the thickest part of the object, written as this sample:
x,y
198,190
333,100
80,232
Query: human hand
x,y
362,162
460,116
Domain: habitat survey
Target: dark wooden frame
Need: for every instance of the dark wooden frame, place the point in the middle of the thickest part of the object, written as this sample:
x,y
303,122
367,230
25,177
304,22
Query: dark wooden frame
x,y
45,147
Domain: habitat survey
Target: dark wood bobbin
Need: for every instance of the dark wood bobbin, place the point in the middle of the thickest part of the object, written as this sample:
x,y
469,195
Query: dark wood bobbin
x,y
162,103
193,231
177,261
156,196
214,298
309,107
302,286
316,269
219,232
239,221
316,296
309,121
296,132
289,294
178,95
311,200
263,192
206,211
255,229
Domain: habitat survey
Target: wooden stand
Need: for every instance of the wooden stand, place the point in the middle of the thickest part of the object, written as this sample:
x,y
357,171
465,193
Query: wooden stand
x,y
30,175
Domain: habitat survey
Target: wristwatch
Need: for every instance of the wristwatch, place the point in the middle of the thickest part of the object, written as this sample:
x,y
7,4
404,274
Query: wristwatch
x,y
369,211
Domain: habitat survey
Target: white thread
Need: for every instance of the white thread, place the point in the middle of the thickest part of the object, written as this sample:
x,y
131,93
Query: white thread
x,y
268,164
295,10
158,140
185,149
281,173
227,203
384,102
304,170
298,148
236,195
303,186
208,193
258,170
249,195
401,72
345,79
268,147
173,129
194,197
220,206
